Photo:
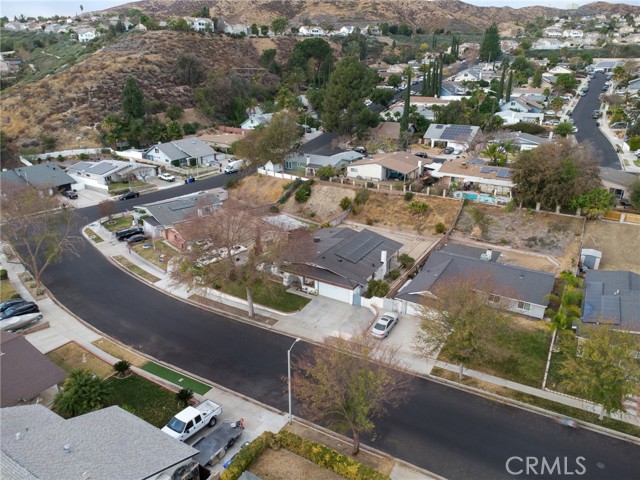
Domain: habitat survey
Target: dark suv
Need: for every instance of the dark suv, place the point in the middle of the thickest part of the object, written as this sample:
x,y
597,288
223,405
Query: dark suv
x,y
128,232
11,303
130,194
70,194
20,309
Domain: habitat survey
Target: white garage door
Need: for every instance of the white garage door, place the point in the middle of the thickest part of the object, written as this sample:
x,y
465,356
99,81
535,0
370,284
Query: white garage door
x,y
337,293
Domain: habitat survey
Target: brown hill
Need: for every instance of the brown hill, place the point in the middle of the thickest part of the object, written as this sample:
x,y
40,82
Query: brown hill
x,y
72,104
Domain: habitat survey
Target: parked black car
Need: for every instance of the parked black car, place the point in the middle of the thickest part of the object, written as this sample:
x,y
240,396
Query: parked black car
x,y
21,309
129,194
136,239
128,232
70,194
422,154
10,303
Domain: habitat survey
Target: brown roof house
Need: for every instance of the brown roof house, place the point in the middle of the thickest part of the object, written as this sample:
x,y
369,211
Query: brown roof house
x,y
26,375
385,166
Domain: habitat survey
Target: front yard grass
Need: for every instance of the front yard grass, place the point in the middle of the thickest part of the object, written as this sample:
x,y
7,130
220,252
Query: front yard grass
x,y
521,353
141,272
176,378
120,352
6,290
159,255
145,399
275,296
93,236
72,356
118,223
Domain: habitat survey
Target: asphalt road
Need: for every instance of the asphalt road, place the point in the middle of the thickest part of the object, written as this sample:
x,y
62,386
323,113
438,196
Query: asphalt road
x,y
604,152
448,431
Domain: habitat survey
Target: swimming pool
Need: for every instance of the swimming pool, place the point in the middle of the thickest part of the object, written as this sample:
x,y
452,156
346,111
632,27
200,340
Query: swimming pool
x,y
475,196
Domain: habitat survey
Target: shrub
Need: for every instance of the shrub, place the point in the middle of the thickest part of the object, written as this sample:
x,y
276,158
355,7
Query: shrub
x,y
289,188
232,183
246,456
192,162
60,158
175,163
174,111
104,151
122,367
83,156
634,143
184,396
326,172
376,288
405,260
345,203
527,127
3,274
304,192
510,207
189,129
394,274
408,196
440,227
418,207
362,195
369,221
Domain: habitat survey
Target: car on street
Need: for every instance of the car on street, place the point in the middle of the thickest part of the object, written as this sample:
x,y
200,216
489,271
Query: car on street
x,y
10,303
70,194
384,324
139,237
619,125
167,177
128,232
422,154
595,114
130,194
20,309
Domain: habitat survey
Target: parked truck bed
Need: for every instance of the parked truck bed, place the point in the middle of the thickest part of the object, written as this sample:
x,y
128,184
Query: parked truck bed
x,y
215,445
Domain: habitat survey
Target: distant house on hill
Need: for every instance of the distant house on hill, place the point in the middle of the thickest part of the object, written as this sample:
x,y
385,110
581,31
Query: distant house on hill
x,y
181,152
200,24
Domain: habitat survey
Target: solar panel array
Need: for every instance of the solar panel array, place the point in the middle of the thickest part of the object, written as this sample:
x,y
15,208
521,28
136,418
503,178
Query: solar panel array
x,y
102,168
360,247
500,172
456,132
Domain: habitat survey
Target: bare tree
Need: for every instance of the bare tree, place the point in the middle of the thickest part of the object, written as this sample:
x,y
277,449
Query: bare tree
x,y
350,382
106,208
237,245
38,226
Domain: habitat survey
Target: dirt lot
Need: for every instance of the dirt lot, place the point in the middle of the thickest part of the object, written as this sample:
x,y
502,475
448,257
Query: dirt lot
x,y
618,243
323,204
541,233
258,189
284,465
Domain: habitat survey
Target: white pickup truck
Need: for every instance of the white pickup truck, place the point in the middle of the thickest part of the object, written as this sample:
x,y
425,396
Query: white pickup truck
x,y
193,419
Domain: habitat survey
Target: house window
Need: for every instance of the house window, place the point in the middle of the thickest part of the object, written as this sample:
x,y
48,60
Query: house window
x,y
524,306
353,169
157,150
494,298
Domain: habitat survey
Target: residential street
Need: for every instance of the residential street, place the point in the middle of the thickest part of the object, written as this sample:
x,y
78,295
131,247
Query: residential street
x,y
445,430
588,131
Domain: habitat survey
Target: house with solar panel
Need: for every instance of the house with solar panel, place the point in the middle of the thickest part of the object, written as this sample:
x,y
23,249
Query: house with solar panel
x,y
184,152
475,174
517,289
612,298
319,152
455,136
342,264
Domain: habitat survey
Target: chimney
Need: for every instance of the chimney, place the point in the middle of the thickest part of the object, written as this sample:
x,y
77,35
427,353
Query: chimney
x,y
308,159
420,166
383,256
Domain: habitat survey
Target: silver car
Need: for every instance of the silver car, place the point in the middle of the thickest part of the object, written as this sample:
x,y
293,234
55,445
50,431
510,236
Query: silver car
x,y
20,321
384,325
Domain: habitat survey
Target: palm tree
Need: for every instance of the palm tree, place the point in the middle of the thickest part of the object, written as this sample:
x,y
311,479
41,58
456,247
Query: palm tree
x,y
82,392
122,368
495,153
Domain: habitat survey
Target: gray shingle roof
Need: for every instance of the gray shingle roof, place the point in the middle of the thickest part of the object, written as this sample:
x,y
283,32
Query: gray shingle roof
x,y
24,371
184,148
103,445
346,257
325,145
612,297
45,175
618,177
175,210
102,167
507,281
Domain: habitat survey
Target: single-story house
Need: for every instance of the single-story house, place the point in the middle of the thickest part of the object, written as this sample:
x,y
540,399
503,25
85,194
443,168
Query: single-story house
x,y
200,24
222,140
86,34
522,141
98,175
475,174
385,166
511,117
344,262
236,29
26,374
605,66
534,94
547,44
457,136
103,445
618,182
160,219
311,31
181,151
612,298
45,176
256,120
513,288
522,104
321,151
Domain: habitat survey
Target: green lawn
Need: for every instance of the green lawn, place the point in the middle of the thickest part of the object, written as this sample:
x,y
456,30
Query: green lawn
x,y
145,399
176,378
521,354
276,296
6,290
118,223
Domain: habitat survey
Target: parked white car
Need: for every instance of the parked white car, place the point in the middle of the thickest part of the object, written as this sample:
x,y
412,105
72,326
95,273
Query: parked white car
x,y
167,177
385,323
193,419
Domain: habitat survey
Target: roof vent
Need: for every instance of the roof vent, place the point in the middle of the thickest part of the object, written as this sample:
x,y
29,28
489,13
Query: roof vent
x,y
67,447
316,239
617,292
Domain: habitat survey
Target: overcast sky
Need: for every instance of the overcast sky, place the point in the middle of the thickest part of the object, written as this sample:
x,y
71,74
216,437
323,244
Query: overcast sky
x,y
35,8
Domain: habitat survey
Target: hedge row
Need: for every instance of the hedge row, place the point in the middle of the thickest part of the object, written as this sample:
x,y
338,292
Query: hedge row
x,y
293,186
319,454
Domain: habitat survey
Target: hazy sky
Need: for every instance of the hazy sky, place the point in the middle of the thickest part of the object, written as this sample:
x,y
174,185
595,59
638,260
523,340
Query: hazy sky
x,y
35,8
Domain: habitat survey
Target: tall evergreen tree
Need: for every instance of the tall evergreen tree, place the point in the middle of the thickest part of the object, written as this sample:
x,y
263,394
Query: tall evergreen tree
x,y
404,121
536,81
424,68
503,77
490,48
509,87
429,90
439,86
132,99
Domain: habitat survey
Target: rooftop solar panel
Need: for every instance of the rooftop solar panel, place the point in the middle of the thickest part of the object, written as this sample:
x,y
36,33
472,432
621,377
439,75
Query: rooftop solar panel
x,y
485,170
503,173
360,247
439,127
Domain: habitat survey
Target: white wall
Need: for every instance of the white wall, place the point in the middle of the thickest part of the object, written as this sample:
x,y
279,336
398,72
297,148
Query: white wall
x,y
372,171
335,292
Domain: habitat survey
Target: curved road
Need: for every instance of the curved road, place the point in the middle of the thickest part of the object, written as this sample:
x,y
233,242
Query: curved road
x,y
448,431
604,152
